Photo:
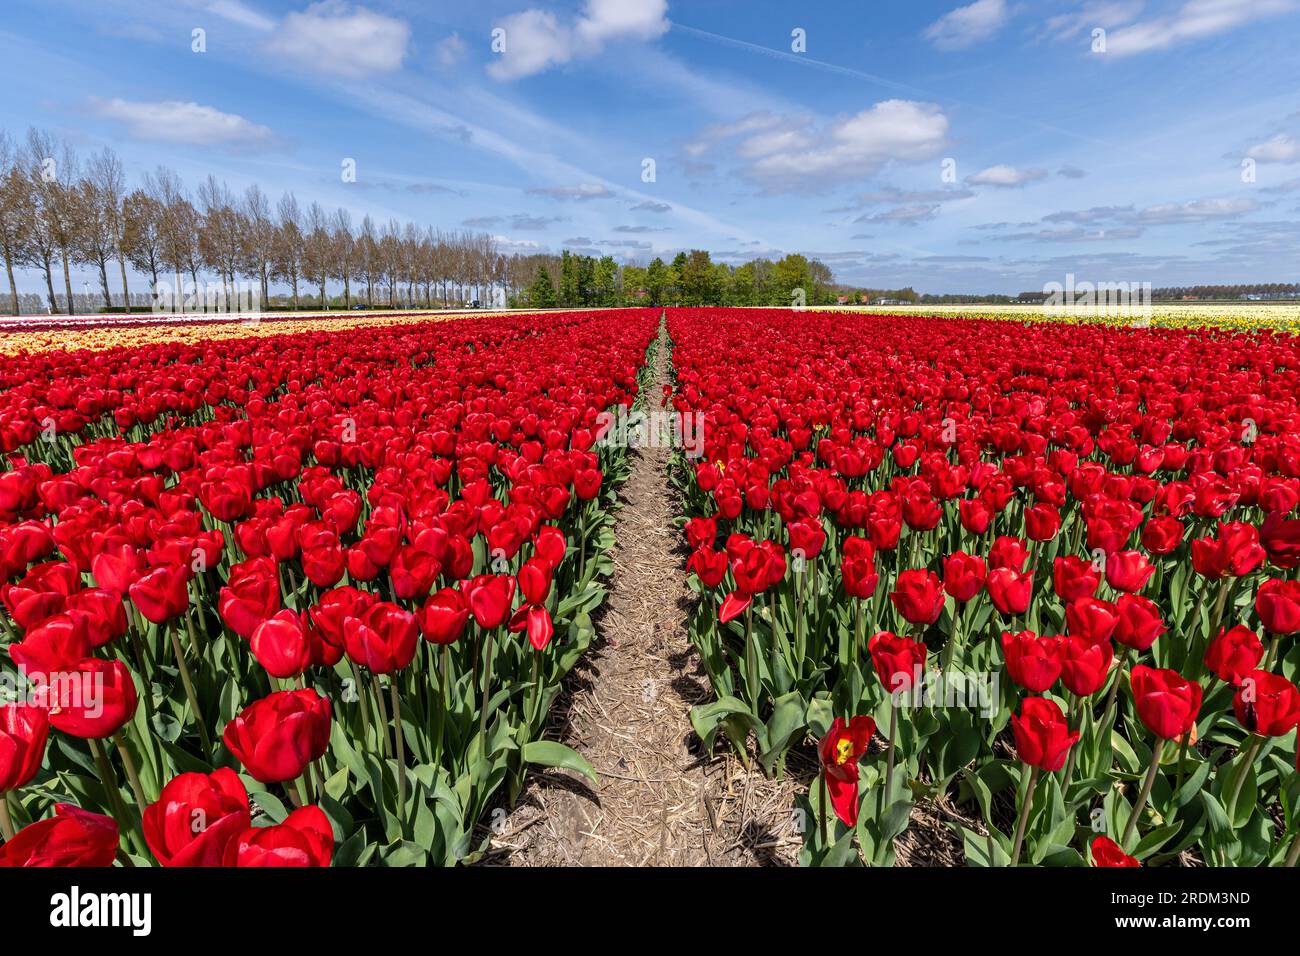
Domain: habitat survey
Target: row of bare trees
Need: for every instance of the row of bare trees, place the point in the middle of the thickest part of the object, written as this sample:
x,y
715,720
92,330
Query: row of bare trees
x,y
58,213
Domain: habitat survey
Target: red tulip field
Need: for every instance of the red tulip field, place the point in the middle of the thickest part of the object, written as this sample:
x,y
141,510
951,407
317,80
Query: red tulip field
x,y
312,597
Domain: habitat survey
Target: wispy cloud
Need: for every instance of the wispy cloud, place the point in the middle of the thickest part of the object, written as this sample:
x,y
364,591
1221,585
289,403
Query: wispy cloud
x,y
799,153
536,40
1194,20
968,25
1280,149
581,192
175,121
336,38
1007,177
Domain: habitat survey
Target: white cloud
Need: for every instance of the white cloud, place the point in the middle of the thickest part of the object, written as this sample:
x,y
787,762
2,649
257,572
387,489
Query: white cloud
x,y
1090,16
1009,177
337,38
1194,20
1196,210
173,121
968,25
623,19
582,192
238,12
1161,214
535,40
910,213
1280,149
450,50
795,153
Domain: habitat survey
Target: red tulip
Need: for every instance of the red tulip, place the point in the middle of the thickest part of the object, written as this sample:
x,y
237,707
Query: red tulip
x,y
23,731
1107,853
57,644
550,546
1074,578
1267,704
305,838
1093,620
162,594
963,576
251,595
1234,653
1085,665
1162,535
278,736
1042,522
858,567
1010,591
382,639
490,597
1166,701
1277,602
1128,571
413,572
806,537
899,661
93,699
840,750
1033,662
534,619
71,838
100,612
196,818
1139,622
534,579
1008,552
918,596
282,645
709,566
1043,738
443,617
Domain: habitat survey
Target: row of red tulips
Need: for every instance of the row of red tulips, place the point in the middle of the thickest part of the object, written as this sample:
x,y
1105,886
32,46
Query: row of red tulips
x,y
1046,570
299,599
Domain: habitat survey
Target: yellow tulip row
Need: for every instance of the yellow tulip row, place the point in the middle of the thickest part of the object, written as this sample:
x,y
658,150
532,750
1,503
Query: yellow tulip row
x,y
108,336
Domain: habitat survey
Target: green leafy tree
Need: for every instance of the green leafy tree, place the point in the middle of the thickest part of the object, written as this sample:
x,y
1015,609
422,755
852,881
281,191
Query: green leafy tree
x,y
541,294
570,288
657,282
605,282
633,282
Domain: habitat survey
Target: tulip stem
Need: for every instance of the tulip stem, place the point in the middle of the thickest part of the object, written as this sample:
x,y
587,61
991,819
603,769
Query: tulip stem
x,y
487,688
1240,778
131,774
1108,712
828,828
401,755
889,754
7,823
362,704
1147,784
381,715
1272,654
1024,817
1076,708
108,779
1294,855
190,695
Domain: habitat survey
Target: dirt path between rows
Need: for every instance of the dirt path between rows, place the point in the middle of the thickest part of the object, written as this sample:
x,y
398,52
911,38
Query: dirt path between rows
x,y
660,802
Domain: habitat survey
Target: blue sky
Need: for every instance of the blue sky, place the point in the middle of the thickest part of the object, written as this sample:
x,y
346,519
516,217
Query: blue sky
x,y
985,147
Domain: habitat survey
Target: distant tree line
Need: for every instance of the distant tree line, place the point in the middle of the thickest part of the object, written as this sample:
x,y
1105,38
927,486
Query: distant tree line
x,y
689,278
57,213
1268,290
